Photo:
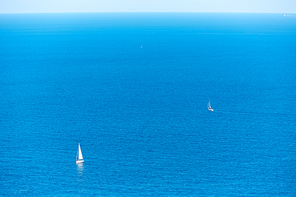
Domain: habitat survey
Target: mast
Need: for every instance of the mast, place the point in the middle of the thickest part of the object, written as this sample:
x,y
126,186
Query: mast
x,y
79,153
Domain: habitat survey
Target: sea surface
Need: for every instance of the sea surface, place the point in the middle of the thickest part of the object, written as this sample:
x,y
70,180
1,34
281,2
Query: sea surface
x,y
133,89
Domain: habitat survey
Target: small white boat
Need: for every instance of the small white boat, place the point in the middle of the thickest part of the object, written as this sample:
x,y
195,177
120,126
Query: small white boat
x,y
79,157
209,107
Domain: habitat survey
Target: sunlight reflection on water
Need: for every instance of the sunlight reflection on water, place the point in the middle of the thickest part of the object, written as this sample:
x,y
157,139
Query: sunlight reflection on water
x,y
80,169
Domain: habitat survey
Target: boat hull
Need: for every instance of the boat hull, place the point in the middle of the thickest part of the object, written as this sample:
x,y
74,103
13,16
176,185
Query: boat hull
x,y
79,161
211,109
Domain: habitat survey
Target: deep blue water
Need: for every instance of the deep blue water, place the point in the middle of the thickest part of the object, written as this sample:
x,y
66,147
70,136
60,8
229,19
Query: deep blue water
x,y
140,114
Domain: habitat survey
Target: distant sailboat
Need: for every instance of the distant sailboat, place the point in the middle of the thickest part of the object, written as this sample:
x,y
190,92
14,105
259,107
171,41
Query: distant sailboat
x,y
79,157
209,107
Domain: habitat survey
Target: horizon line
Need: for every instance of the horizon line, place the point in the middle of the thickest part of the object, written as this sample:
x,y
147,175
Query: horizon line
x,y
144,12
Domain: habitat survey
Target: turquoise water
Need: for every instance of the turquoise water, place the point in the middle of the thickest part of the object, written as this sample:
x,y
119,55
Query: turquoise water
x,y
133,89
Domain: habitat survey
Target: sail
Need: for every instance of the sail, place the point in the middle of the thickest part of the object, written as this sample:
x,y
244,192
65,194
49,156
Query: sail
x,y
209,105
79,152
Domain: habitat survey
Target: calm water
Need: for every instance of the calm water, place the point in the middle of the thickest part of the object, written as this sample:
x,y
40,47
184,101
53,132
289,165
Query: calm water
x,y
140,113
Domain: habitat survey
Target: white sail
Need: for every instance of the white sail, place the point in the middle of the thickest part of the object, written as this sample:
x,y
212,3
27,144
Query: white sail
x,y
79,152
209,106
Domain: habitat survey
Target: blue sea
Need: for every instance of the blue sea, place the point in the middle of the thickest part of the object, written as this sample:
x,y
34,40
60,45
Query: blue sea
x,y
133,89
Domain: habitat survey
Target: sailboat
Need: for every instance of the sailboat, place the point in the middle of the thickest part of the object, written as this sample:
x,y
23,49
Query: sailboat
x,y
79,157
209,107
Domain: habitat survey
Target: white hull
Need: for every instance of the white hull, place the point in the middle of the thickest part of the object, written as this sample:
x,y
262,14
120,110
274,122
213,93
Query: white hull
x,y
79,161
211,109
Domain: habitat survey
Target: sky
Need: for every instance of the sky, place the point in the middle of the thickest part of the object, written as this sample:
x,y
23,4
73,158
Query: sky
x,y
244,6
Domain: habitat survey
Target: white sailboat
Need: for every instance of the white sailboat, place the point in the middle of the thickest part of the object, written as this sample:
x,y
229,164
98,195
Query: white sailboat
x,y
79,157
209,107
